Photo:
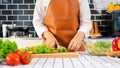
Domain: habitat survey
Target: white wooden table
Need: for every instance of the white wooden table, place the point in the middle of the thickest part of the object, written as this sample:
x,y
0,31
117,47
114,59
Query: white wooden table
x,y
84,61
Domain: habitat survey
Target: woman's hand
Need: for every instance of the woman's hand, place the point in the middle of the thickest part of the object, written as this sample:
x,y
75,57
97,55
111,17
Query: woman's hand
x,y
49,39
76,42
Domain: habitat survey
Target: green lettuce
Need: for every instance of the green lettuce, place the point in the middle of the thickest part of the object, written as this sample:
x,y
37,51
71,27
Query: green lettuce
x,y
6,47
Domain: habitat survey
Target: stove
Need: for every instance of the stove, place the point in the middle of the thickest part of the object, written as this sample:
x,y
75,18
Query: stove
x,y
17,31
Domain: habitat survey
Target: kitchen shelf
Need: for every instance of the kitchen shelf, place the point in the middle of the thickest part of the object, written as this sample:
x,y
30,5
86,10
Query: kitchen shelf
x,y
112,11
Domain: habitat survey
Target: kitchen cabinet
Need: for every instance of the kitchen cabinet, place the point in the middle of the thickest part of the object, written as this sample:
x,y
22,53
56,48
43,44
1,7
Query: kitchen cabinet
x,y
116,19
116,22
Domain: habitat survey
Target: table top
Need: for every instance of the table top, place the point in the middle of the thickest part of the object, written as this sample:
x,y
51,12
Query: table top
x,y
85,60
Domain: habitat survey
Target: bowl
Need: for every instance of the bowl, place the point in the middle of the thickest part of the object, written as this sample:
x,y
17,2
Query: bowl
x,y
98,47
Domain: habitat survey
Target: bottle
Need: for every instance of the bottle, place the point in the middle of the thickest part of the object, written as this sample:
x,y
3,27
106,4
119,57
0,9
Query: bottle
x,y
4,29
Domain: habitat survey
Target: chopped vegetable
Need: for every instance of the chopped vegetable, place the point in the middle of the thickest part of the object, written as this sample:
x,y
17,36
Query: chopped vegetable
x,y
6,47
27,49
99,48
40,49
62,49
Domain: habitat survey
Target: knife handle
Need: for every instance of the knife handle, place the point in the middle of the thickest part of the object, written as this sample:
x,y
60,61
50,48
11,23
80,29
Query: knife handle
x,y
55,46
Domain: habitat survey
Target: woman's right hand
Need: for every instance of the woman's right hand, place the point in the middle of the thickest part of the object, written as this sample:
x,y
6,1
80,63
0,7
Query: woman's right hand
x,y
49,39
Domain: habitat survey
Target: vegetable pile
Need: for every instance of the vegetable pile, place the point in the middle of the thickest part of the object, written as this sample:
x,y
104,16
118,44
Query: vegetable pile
x,y
17,57
6,47
14,56
9,51
99,48
42,49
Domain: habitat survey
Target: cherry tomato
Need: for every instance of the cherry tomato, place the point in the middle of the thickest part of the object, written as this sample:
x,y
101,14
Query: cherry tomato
x,y
18,51
116,44
26,58
12,59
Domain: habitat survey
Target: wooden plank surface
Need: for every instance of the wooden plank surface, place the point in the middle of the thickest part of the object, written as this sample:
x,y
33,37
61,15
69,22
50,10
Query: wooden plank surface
x,y
84,60
58,63
57,55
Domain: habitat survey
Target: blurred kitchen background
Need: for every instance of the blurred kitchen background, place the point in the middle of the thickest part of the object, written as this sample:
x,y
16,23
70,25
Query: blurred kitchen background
x,y
19,13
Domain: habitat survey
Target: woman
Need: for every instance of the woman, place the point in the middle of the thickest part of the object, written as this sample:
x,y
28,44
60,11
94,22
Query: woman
x,y
62,22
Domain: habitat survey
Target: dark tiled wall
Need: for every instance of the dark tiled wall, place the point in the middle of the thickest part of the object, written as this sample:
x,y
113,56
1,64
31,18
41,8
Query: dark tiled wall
x,y
20,12
99,15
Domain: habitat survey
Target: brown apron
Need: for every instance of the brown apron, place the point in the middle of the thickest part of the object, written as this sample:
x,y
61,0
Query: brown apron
x,y
62,19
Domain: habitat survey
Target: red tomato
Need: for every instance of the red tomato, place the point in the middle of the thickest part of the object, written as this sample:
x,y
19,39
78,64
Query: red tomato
x,y
18,51
26,58
12,59
116,44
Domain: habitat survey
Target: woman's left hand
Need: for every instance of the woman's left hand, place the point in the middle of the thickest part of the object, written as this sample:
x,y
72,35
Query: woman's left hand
x,y
76,42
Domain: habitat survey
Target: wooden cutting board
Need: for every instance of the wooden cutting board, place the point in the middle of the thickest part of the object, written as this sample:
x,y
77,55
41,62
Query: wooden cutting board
x,y
57,55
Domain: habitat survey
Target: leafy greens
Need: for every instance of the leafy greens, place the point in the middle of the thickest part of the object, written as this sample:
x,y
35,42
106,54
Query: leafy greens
x,y
6,47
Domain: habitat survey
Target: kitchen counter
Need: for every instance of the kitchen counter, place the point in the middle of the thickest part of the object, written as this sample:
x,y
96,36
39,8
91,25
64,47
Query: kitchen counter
x,y
23,42
84,60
